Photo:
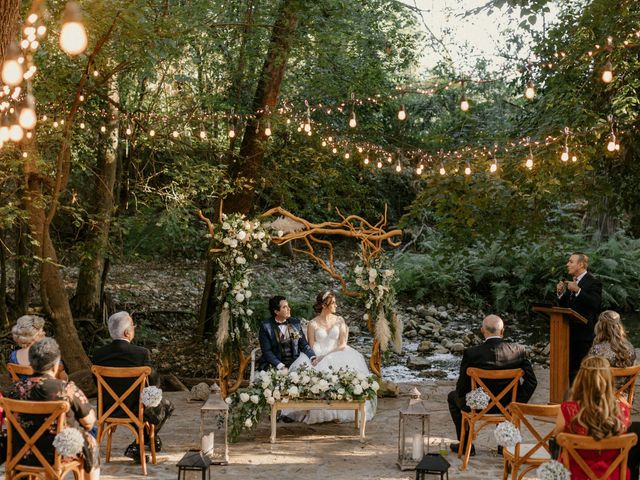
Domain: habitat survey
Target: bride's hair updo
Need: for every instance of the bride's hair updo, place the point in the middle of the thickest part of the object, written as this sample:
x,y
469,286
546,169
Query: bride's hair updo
x,y
323,299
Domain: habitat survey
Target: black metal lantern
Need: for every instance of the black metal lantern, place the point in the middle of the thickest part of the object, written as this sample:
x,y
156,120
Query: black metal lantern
x,y
194,465
432,464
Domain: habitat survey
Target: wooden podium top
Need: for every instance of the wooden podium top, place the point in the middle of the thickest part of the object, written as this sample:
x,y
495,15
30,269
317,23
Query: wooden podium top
x,y
571,314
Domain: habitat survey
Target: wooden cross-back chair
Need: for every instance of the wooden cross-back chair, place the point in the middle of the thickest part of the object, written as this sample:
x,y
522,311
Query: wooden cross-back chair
x,y
470,419
52,412
133,421
571,443
530,455
628,375
16,370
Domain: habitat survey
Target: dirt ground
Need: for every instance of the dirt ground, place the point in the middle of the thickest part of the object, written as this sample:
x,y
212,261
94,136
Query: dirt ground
x,y
321,451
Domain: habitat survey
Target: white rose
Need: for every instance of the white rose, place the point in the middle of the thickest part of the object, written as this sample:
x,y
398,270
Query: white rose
x,y
241,260
264,247
245,283
315,389
305,379
241,235
255,399
248,293
375,386
294,377
365,385
244,397
260,235
267,392
355,381
357,390
228,400
249,312
248,423
339,397
233,243
280,233
323,385
359,269
271,400
361,376
373,274
341,391
365,317
285,400
239,298
226,226
276,394
226,241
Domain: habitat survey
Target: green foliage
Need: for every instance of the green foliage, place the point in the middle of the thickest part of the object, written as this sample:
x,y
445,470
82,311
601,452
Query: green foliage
x,y
510,272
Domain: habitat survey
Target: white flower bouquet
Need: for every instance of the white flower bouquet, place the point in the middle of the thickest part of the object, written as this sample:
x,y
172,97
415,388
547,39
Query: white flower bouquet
x,y
69,442
151,396
553,470
507,434
477,399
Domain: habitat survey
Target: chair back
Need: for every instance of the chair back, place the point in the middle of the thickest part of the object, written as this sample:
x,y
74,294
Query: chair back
x,y
16,370
571,443
52,412
628,375
139,377
523,416
508,393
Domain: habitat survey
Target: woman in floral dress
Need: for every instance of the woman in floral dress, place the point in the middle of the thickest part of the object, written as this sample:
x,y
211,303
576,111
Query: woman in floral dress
x,y
44,357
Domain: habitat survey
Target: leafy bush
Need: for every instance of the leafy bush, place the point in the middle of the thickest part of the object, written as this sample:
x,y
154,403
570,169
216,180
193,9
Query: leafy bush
x,y
510,273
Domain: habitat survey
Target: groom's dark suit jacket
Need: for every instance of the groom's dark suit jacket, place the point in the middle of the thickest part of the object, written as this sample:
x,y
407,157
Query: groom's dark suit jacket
x,y
588,304
270,345
496,354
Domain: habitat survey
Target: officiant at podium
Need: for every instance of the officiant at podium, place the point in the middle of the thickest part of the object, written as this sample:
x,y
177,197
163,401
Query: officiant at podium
x,y
582,294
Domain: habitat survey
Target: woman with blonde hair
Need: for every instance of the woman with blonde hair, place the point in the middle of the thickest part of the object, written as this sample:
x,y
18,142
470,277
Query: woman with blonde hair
x,y
28,330
595,411
611,341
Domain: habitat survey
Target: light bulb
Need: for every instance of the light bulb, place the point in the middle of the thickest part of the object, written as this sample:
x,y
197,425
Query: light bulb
x,y
402,113
366,161
103,129
12,70
232,133
379,164
529,163
574,158
617,146
464,103
389,159
73,36
41,30
352,120
16,133
607,73
467,170
267,130
419,170
307,126
82,125
530,92
443,171
334,150
128,131
398,168
203,134
347,155
4,130
324,144
28,116
175,134
55,124
494,167
29,134
611,146
152,133
309,133
565,154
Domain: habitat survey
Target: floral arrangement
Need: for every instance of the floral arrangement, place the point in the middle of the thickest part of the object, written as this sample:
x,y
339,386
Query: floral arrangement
x,y
151,396
69,442
250,404
376,281
507,434
477,399
240,241
553,470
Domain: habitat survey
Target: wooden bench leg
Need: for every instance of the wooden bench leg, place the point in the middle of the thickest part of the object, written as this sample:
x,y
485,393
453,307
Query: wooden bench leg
x,y
274,417
363,420
356,412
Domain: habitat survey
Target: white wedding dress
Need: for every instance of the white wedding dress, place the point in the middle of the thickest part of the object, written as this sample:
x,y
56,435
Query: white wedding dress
x,y
326,341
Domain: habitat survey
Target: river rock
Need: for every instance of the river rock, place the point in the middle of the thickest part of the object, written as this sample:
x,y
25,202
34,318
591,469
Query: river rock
x,y
443,315
432,321
457,347
432,311
425,346
440,349
411,333
440,374
418,362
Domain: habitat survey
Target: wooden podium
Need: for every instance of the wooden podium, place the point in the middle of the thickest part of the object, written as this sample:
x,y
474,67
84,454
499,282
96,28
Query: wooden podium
x,y
559,320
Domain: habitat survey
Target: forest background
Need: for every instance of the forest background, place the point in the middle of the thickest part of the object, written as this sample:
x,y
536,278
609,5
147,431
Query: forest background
x,y
167,113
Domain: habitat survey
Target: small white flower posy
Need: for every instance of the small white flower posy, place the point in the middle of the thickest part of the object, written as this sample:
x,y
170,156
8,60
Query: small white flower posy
x,y
477,399
69,442
151,396
507,435
553,470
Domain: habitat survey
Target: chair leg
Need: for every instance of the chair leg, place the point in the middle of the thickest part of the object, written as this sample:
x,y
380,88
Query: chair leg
x,y
505,468
110,430
143,461
467,447
463,435
152,442
515,468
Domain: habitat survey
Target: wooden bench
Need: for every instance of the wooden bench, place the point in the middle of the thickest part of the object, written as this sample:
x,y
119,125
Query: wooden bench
x,y
357,406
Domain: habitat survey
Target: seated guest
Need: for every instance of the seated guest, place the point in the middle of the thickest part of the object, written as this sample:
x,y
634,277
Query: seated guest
x,y
611,341
122,353
493,354
594,410
44,358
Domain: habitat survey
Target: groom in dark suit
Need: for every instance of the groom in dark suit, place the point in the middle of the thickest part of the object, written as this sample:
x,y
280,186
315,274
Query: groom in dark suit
x,y
121,353
493,354
584,295
281,337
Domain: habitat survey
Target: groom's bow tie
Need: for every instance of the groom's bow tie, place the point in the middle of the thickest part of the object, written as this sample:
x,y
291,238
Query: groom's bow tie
x,y
286,322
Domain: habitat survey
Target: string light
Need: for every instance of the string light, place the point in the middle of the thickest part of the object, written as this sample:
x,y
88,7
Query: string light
x,y
152,133
103,129
203,134
565,151
494,166
16,133
267,129
442,170
402,113
530,92
73,36
12,70
28,116
379,164
464,103
175,134
366,160
467,168
398,167
347,156
352,121
607,72
232,131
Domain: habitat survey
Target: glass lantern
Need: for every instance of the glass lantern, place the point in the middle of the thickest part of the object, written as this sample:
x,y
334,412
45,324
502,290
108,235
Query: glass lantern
x,y
194,465
214,442
414,428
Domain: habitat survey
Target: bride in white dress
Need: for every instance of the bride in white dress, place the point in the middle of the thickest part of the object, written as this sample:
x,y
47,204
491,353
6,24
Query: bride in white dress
x,y
327,335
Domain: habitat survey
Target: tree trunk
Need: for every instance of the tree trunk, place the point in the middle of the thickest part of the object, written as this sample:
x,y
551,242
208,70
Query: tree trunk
x,y
86,302
4,317
53,294
9,17
249,164
208,302
22,270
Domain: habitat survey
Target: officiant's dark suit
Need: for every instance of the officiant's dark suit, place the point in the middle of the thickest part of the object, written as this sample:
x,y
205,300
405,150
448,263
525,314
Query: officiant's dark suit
x,y
584,295
281,337
493,354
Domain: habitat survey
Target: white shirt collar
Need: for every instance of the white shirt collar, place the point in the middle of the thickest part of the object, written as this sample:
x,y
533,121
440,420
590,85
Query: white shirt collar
x,y
579,277
493,336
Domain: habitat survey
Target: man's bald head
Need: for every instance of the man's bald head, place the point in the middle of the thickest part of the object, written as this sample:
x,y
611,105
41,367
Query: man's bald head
x,y
492,326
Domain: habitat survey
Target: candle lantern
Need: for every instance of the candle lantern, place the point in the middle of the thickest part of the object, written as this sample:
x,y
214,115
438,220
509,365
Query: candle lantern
x,y
194,465
214,443
414,428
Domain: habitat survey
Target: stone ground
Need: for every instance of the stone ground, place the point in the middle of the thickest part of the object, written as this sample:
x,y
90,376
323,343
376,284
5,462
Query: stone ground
x,y
321,451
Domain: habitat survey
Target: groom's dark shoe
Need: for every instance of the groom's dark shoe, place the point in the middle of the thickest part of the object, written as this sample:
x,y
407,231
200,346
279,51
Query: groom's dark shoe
x,y
456,446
